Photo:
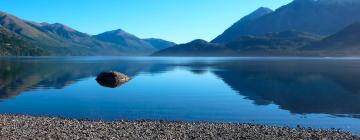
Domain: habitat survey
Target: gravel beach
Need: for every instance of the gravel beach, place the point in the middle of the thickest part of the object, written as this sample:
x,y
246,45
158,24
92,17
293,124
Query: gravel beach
x,y
27,127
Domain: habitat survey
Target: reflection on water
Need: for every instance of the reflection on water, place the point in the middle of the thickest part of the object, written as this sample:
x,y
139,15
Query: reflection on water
x,y
19,75
312,92
318,86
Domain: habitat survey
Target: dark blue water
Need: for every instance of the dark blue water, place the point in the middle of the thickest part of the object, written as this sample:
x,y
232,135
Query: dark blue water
x,y
310,92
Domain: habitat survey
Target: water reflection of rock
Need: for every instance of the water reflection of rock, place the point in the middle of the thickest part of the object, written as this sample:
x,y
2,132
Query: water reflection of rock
x,y
301,87
17,77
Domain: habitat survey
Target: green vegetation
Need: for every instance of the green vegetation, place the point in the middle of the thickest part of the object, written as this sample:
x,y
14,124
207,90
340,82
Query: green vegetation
x,y
12,45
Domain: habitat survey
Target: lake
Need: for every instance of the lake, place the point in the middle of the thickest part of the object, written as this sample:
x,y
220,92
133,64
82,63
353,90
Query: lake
x,y
282,91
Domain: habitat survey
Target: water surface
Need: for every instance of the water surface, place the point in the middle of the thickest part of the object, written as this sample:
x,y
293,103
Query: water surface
x,y
310,92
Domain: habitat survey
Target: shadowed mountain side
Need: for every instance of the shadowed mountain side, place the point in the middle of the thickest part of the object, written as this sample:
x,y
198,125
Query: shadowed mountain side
x,y
232,33
346,41
302,87
159,44
195,48
271,44
18,77
282,43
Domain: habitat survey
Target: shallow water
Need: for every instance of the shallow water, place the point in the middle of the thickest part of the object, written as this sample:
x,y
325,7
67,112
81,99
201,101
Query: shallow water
x,y
285,91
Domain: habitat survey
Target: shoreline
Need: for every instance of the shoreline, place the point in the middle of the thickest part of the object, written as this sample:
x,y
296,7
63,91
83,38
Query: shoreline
x,y
29,127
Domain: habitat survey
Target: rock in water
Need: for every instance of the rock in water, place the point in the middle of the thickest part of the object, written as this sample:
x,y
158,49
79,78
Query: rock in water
x,y
112,79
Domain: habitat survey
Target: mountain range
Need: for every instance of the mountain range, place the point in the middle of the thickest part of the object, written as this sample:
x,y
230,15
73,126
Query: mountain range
x,y
302,27
323,17
59,39
282,43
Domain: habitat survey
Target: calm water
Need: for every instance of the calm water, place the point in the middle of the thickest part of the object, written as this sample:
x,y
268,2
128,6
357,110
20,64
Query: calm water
x,y
311,92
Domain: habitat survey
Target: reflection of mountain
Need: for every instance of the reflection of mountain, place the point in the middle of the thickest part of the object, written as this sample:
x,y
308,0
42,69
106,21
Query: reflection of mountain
x,y
300,87
20,76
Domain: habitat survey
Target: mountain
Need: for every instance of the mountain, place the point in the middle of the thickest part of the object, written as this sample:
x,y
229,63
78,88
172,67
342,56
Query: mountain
x,y
281,43
159,43
59,39
123,38
193,48
232,32
13,45
345,41
23,28
323,17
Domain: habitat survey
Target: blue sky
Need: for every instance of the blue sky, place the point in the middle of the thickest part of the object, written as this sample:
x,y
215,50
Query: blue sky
x,y
175,20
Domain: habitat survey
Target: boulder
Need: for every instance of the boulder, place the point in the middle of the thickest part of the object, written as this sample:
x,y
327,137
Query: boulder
x,y
112,79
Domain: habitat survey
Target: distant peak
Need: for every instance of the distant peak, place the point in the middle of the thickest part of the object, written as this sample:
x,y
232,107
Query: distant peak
x,y
263,10
57,26
199,41
117,31
258,13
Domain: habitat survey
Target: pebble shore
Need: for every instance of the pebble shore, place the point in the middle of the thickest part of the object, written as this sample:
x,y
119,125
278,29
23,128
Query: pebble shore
x,y
28,127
